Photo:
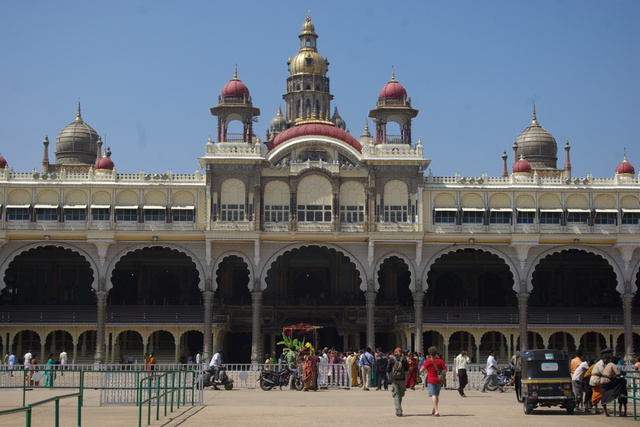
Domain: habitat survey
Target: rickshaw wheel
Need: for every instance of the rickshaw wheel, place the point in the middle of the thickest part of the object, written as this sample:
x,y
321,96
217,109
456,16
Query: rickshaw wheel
x,y
570,410
527,408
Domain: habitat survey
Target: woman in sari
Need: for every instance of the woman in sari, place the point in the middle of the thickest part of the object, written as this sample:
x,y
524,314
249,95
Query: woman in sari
x,y
307,374
412,372
49,371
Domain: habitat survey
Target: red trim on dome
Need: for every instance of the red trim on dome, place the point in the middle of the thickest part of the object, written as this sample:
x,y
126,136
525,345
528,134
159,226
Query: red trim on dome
x,y
521,166
104,163
314,129
393,90
3,163
625,168
235,87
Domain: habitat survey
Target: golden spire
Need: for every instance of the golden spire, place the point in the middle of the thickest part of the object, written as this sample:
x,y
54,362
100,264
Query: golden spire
x,y
534,121
78,115
235,72
393,74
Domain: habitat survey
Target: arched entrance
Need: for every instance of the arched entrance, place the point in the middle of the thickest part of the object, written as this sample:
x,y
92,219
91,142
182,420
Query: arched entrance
x,y
394,279
48,275
232,278
155,276
470,278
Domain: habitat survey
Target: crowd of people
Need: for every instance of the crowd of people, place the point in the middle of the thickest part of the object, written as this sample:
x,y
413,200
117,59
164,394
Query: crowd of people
x,y
29,362
368,369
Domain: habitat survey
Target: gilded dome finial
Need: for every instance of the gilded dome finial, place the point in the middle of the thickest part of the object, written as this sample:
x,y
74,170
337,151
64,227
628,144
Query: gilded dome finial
x,y
235,72
78,115
393,74
534,121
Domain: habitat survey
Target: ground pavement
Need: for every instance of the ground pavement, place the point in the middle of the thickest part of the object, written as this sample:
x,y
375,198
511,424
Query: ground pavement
x,y
255,407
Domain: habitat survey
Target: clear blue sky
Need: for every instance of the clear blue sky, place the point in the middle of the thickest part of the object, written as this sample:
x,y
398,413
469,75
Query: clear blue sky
x,y
147,72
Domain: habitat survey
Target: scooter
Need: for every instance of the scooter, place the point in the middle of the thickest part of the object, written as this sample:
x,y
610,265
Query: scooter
x,y
504,379
207,379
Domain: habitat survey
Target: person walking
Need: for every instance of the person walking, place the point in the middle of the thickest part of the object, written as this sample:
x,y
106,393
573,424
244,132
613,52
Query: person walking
x,y
381,369
413,371
431,366
397,366
367,361
49,371
576,384
492,372
460,370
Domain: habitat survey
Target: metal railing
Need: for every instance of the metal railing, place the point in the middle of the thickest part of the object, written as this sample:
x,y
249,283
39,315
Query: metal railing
x,y
28,409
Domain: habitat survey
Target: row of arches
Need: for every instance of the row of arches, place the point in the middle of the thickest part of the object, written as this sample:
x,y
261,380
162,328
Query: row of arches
x,y
500,200
157,275
122,198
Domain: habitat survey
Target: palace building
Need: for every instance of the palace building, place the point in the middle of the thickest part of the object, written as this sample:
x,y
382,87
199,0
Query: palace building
x,y
312,224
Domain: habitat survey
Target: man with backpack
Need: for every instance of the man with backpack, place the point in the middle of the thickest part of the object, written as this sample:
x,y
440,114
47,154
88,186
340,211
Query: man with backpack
x,y
397,367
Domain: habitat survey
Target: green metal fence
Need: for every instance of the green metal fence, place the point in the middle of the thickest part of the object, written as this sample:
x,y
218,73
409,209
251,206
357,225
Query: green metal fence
x,y
28,409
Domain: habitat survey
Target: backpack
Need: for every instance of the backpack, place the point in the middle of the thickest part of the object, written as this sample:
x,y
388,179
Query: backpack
x,y
397,370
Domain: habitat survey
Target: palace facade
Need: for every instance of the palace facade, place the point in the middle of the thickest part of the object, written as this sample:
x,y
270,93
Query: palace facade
x,y
315,225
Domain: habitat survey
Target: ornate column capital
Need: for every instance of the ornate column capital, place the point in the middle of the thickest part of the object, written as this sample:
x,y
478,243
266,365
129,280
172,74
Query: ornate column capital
x,y
626,250
522,249
102,245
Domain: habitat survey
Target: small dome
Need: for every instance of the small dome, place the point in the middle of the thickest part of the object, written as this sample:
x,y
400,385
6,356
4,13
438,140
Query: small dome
x,y
278,123
393,89
337,120
521,166
625,168
308,27
77,143
105,162
308,62
235,88
537,146
3,163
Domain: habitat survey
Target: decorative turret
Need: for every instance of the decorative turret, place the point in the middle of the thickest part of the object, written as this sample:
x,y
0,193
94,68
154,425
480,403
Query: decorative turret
x,y
105,163
278,124
337,120
625,168
234,103
76,144
393,106
3,162
537,146
308,98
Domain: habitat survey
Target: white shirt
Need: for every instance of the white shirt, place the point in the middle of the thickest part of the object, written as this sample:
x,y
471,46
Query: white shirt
x,y
216,360
578,374
460,362
27,359
492,365
63,358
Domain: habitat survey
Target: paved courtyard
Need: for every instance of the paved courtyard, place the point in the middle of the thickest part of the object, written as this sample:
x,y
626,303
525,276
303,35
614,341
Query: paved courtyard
x,y
242,407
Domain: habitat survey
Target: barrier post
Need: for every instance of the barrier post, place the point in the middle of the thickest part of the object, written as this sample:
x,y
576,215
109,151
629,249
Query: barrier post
x,y
80,403
56,413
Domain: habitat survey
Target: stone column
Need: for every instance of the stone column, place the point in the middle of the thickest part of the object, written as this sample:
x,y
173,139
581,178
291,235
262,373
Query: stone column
x,y
418,300
370,298
523,309
208,311
627,308
100,332
256,305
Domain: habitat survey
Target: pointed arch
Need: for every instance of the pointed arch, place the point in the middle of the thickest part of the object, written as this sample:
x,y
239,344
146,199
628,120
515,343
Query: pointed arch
x,y
170,246
243,257
412,271
488,249
11,257
352,258
588,249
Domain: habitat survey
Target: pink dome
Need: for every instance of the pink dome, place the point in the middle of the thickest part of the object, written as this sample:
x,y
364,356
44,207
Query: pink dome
x,y
625,168
393,90
3,163
315,129
236,88
521,166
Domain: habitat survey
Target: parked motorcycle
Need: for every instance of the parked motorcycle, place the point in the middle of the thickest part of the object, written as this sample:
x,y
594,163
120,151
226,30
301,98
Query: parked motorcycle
x,y
505,378
207,379
270,379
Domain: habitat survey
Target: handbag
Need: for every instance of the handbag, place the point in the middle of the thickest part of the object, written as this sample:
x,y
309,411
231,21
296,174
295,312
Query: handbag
x,y
442,374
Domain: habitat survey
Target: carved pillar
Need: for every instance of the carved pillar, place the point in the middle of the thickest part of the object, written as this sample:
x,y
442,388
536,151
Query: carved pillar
x,y
627,308
418,299
523,310
256,305
208,311
100,333
370,298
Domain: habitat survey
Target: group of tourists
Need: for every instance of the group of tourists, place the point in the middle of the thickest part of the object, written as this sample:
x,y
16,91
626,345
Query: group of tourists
x,y
599,382
370,369
29,362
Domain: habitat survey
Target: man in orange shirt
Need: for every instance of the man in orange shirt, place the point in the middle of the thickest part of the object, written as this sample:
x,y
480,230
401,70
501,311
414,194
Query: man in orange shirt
x,y
151,363
575,362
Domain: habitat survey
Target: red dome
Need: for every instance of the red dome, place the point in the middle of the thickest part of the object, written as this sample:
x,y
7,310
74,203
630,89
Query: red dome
x,y
104,163
3,163
625,168
315,129
521,166
393,90
235,87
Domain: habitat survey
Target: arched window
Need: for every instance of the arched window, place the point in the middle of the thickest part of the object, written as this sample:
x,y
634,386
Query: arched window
x,y
396,202
232,200
352,202
276,202
314,199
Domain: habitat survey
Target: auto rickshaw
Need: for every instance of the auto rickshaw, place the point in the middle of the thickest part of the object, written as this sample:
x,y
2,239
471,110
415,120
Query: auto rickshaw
x,y
546,380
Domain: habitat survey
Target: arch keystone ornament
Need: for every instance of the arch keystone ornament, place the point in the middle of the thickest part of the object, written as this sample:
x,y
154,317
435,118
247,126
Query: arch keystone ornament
x,y
522,249
102,245
626,250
